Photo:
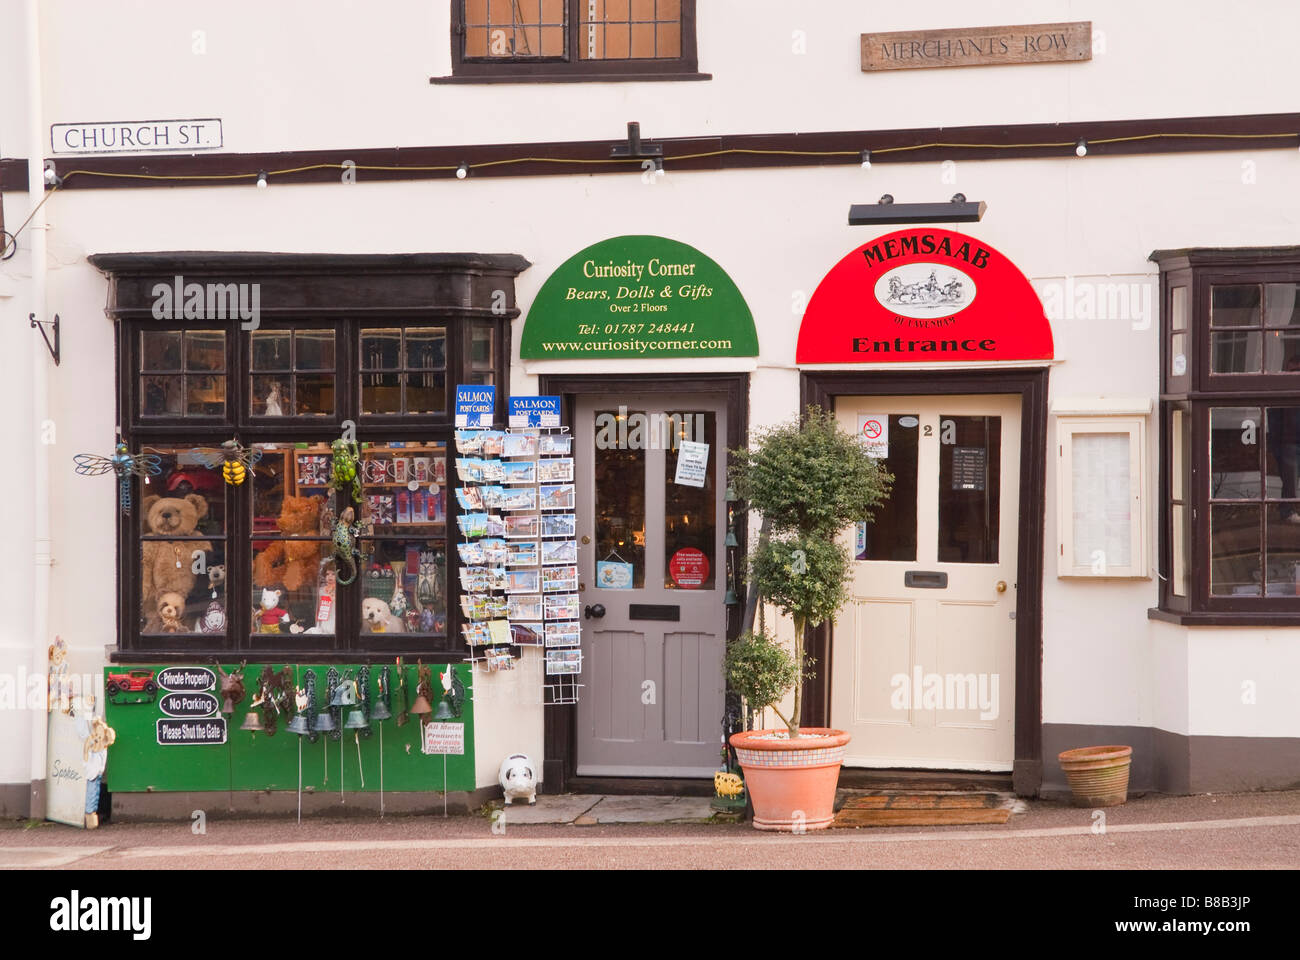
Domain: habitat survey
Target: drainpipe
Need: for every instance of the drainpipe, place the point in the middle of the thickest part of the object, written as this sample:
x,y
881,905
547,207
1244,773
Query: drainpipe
x,y
40,452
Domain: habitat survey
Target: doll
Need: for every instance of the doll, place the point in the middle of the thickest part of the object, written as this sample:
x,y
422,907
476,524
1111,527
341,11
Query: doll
x,y
97,736
270,615
273,401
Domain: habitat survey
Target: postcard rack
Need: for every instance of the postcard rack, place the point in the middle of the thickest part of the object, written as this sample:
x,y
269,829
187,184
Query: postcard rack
x,y
519,552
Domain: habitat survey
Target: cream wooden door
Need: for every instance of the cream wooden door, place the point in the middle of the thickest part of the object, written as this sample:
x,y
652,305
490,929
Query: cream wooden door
x,y
924,650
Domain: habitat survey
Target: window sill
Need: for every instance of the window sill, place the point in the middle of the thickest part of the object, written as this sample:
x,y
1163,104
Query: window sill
x,y
1225,619
542,77
150,657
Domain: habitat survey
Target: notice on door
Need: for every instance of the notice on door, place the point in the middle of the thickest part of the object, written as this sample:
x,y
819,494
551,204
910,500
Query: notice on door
x,y
873,430
689,568
969,465
692,463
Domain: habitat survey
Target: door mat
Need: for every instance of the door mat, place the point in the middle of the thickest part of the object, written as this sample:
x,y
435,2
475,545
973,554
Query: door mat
x,y
911,809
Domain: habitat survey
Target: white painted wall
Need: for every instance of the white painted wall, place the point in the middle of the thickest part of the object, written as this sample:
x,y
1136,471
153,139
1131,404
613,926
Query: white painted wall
x,y
335,75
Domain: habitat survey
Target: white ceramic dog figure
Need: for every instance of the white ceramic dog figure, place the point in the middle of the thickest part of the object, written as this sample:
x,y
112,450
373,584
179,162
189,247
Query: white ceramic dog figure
x,y
517,778
376,617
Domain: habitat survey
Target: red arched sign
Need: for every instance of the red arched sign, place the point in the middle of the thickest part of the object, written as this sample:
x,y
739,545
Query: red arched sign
x,y
924,295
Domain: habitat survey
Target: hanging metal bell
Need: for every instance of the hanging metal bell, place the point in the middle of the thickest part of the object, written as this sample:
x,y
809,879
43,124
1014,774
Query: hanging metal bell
x,y
252,721
298,725
731,539
421,706
356,720
345,695
325,722
444,711
731,598
380,711
227,706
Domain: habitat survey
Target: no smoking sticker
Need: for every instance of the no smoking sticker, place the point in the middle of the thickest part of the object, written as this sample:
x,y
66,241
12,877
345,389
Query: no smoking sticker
x,y
873,430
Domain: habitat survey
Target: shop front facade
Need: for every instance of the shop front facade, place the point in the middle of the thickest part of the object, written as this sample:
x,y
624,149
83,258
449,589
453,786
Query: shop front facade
x,y
1084,396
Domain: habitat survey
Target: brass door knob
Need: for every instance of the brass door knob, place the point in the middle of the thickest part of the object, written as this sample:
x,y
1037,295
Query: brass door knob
x,y
586,539
1002,586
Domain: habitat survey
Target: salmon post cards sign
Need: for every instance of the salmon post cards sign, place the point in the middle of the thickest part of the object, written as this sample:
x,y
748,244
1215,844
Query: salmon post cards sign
x,y
924,295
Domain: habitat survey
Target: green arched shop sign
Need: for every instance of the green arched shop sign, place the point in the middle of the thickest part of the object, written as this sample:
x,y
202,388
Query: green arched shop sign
x,y
638,296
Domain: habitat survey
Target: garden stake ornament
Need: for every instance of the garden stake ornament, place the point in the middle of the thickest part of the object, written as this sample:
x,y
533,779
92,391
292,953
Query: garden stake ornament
x,y
123,463
347,534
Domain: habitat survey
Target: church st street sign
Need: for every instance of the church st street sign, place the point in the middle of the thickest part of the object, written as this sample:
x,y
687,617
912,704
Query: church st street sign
x,y
638,296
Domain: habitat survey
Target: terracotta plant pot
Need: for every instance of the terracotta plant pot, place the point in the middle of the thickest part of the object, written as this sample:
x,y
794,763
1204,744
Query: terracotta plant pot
x,y
791,782
1098,775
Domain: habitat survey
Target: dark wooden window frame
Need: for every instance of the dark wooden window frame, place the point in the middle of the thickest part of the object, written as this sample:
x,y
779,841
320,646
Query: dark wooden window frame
x,y
560,759
822,388
1197,390
347,294
570,69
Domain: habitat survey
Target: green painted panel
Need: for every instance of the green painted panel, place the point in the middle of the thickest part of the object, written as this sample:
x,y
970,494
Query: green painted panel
x,y
638,296
255,761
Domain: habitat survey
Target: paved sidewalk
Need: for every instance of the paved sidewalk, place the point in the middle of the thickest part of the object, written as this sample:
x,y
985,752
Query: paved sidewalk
x,y
1242,831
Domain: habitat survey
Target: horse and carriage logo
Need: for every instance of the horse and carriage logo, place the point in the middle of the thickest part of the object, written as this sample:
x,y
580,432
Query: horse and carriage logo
x,y
925,290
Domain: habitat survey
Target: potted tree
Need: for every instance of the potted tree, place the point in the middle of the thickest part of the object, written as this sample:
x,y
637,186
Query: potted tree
x,y
809,480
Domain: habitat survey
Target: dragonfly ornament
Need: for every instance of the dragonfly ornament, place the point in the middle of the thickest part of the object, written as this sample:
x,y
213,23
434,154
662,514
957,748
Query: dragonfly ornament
x,y
123,463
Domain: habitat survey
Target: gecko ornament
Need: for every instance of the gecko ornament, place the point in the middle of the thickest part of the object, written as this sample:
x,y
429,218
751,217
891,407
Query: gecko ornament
x,y
346,532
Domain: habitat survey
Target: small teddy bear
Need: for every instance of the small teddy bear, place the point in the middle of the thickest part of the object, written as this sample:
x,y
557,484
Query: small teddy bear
x,y
213,619
60,684
168,608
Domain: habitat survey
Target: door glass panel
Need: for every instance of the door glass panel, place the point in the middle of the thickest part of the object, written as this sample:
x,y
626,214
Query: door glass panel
x,y
690,512
891,535
619,460
1234,453
970,458
1282,536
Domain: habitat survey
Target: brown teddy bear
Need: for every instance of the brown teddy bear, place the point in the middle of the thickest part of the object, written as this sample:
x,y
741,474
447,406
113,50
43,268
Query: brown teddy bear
x,y
291,562
169,607
169,564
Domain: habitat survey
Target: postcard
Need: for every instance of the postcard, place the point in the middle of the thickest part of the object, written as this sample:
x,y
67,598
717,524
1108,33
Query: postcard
x,y
562,607
559,525
519,498
469,441
557,497
559,579
522,527
492,440
554,443
471,553
494,552
522,553
526,634
526,581
521,471
523,607
559,551
566,633
557,470
519,445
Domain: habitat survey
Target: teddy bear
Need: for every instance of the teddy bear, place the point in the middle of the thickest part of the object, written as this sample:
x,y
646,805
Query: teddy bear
x,y
60,684
291,563
169,564
213,619
97,736
377,617
168,608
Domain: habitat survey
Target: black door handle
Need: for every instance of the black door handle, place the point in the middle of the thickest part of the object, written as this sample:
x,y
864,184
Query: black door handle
x,y
593,611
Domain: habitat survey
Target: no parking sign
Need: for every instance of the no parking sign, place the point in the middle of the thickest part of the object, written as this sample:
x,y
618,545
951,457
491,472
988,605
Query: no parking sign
x,y
873,431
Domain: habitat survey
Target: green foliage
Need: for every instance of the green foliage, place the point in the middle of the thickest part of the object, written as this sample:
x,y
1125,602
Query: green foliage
x,y
805,577
809,477
760,669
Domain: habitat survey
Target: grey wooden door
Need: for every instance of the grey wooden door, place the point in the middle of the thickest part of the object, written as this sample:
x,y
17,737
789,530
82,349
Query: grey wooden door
x,y
651,548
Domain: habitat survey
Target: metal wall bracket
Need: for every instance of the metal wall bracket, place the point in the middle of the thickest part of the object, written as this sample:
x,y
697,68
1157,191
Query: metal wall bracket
x,y
634,147
41,325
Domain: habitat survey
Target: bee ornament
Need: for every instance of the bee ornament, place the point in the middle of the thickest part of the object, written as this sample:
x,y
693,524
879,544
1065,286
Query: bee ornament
x,y
235,460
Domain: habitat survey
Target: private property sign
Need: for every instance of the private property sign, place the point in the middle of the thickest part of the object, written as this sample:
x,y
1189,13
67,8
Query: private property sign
x,y
137,136
978,46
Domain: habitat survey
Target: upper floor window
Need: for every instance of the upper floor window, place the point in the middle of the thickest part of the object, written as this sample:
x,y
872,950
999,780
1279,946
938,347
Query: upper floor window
x,y
1230,434
539,40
